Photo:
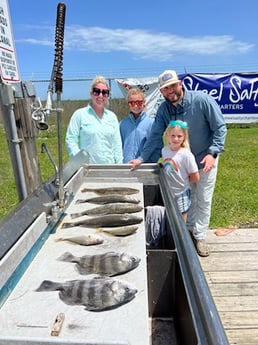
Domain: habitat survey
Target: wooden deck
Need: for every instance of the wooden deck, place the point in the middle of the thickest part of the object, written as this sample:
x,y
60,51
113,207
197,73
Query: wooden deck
x,y
231,271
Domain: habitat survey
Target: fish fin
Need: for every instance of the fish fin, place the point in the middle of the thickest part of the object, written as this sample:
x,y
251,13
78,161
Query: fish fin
x,y
48,285
67,257
80,201
67,225
81,270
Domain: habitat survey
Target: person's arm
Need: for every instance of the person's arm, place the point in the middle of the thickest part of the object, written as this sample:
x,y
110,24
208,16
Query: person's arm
x,y
117,144
194,177
72,139
154,142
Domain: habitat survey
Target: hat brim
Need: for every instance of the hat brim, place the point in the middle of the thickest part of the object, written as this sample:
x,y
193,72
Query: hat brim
x,y
169,83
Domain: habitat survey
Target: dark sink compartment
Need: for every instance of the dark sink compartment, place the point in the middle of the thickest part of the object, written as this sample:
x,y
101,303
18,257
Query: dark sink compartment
x,y
169,310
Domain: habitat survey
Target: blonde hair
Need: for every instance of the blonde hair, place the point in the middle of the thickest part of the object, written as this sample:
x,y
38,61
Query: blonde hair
x,y
135,91
97,80
180,125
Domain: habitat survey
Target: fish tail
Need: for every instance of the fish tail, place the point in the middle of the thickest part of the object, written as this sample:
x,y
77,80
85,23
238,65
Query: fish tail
x,y
67,225
67,257
75,215
80,201
48,285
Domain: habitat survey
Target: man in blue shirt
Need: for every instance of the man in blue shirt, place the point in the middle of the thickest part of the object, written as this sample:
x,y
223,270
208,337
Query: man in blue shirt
x,y
136,127
207,133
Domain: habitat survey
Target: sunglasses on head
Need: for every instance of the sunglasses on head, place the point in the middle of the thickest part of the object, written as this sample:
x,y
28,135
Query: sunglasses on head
x,y
96,92
181,124
133,103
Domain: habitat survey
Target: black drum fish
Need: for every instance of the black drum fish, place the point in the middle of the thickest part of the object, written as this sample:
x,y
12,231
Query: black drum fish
x,y
95,294
106,264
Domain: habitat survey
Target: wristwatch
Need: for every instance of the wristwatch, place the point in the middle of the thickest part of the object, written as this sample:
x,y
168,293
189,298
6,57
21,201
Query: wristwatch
x,y
214,155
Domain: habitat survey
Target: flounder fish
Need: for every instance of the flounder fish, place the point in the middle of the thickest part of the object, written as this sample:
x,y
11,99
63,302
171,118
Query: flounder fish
x,y
95,294
82,239
109,220
116,208
106,264
120,230
109,198
111,190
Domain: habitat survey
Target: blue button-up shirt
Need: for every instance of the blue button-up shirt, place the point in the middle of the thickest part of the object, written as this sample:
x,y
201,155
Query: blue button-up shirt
x,y
134,133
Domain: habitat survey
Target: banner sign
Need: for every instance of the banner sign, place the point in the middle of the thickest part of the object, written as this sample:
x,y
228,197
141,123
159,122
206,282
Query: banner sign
x,y
236,94
8,65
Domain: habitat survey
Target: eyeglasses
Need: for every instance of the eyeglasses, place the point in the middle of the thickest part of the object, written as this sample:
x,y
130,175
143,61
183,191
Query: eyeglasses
x,y
135,103
96,92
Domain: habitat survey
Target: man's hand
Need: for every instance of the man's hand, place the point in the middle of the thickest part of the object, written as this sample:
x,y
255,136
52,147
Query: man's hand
x,y
208,162
134,163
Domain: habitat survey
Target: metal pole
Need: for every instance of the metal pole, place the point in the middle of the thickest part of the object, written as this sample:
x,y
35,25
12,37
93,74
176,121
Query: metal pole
x,y
7,98
60,151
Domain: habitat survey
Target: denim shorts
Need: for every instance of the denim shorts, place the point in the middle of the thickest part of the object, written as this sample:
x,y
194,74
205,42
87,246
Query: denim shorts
x,y
184,201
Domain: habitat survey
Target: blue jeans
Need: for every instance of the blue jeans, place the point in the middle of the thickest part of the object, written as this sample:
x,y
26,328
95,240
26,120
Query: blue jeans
x,y
199,214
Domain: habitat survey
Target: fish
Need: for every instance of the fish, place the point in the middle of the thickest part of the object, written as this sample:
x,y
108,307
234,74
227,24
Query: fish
x,y
119,230
106,264
82,239
111,190
117,208
109,198
109,220
95,294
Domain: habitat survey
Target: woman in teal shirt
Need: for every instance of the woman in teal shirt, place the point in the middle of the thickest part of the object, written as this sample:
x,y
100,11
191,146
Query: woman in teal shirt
x,y
95,129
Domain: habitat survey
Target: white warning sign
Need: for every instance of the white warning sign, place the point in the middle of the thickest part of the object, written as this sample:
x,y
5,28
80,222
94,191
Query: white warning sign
x,y
9,71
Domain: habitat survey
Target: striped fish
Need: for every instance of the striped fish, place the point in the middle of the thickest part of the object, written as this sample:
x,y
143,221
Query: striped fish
x,y
95,294
111,190
107,264
116,208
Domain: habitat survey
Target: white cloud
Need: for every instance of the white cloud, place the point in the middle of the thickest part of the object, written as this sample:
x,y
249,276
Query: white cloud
x,y
142,44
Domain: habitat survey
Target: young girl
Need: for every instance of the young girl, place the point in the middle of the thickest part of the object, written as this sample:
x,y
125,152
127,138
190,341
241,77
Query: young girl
x,y
179,164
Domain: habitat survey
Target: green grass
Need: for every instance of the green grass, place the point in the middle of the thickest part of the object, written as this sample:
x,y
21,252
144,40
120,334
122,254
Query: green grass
x,y
236,193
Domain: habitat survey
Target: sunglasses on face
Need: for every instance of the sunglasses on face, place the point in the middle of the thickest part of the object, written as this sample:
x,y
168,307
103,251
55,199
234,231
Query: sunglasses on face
x,y
96,92
135,103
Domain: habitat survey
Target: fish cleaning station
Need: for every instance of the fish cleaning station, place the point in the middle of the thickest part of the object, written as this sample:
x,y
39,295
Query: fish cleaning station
x,y
100,255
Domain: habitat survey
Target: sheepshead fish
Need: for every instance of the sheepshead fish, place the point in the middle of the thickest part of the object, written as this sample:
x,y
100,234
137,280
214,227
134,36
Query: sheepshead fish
x,y
109,198
120,230
108,220
111,190
82,239
107,264
117,208
95,294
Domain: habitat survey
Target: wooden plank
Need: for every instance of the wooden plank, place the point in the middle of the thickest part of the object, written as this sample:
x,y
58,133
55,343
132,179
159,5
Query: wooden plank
x,y
233,247
238,235
240,320
236,303
231,271
231,261
233,289
232,277
243,336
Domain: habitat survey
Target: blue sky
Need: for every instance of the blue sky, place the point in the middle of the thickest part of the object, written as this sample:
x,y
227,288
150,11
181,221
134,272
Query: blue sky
x,y
121,39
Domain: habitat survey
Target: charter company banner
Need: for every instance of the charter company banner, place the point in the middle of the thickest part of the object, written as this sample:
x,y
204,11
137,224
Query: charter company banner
x,y
236,94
